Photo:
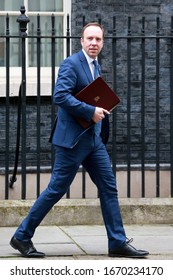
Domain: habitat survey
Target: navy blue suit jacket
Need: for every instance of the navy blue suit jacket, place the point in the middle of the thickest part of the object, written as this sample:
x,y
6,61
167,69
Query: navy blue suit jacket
x,y
74,74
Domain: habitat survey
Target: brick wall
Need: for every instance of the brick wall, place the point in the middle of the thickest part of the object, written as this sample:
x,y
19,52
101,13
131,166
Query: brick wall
x,y
31,131
105,10
94,10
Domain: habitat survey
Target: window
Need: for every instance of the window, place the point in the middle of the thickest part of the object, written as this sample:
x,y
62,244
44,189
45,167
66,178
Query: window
x,y
45,9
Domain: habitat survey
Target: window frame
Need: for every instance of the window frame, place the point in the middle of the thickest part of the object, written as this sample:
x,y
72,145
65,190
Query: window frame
x,y
31,72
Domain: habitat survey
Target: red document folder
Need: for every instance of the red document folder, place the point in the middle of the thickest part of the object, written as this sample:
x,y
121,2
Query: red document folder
x,y
98,94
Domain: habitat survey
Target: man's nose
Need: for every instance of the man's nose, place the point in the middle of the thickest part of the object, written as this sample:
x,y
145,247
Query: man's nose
x,y
94,41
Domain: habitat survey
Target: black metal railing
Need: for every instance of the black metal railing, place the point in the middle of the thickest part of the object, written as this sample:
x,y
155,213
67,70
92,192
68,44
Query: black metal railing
x,y
125,150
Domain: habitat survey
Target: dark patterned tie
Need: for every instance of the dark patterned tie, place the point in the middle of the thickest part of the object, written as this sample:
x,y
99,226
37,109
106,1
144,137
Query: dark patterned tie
x,y
97,127
96,70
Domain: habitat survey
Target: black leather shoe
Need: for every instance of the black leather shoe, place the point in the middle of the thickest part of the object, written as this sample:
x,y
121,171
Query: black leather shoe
x,y
128,251
27,249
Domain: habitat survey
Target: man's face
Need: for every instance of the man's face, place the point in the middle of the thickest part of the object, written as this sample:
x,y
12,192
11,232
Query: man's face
x,y
92,41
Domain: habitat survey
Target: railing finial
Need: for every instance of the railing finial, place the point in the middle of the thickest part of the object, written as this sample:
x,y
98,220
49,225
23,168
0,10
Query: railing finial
x,y
23,21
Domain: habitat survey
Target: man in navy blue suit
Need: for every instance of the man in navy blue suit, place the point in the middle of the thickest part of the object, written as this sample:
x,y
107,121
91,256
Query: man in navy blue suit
x,y
75,146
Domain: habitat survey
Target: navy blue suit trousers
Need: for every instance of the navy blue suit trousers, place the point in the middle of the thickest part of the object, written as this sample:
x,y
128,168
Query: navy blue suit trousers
x,y
92,154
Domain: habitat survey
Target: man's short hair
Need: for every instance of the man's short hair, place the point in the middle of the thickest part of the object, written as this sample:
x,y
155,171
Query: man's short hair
x,y
92,24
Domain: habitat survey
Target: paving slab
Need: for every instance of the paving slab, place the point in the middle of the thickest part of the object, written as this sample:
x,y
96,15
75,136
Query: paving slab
x,y
90,242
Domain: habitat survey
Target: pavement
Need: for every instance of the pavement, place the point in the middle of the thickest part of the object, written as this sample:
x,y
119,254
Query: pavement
x,y
89,242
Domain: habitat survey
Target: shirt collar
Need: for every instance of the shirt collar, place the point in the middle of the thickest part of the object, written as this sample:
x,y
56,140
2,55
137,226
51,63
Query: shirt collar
x,y
88,58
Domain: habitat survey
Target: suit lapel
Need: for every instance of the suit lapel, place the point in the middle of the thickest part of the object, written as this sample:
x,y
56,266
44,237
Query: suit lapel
x,y
85,66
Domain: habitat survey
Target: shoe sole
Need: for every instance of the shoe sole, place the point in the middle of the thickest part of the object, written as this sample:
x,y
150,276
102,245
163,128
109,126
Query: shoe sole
x,y
125,256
